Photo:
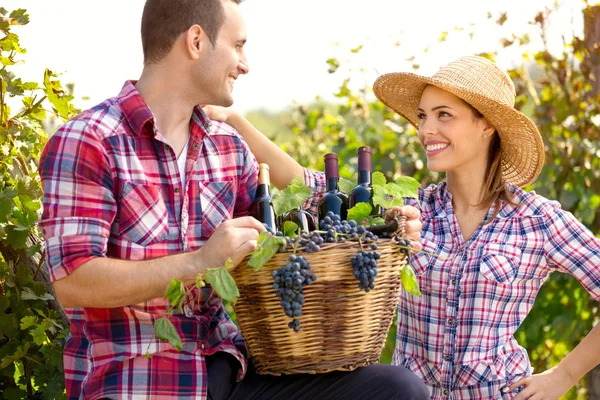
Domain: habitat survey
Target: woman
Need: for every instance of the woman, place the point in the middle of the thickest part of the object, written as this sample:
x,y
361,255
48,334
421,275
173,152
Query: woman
x,y
495,243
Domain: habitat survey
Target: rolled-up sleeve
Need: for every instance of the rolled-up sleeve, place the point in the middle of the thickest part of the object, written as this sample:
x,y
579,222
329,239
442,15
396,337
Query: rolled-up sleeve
x,y
572,248
316,182
79,205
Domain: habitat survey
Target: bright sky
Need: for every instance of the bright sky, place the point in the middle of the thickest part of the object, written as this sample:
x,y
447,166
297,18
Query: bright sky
x,y
98,48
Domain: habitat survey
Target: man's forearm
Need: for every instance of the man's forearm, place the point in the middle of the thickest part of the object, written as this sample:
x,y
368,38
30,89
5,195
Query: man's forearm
x,y
108,282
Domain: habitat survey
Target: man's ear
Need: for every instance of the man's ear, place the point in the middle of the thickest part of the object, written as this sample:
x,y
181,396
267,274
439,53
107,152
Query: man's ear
x,y
195,41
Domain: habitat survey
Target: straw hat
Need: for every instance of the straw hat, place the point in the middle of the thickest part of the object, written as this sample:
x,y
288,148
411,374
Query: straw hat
x,y
487,88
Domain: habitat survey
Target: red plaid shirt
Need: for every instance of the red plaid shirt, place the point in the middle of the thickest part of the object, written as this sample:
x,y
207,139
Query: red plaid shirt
x,y
112,189
459,335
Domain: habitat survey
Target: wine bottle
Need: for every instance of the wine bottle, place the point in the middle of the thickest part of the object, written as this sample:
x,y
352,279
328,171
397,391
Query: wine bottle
x,y
262,206
363,192
300,217
333,200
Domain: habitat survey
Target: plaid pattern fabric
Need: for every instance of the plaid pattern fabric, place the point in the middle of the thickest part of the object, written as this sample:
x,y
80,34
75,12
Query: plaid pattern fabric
x,y
459,335
112,189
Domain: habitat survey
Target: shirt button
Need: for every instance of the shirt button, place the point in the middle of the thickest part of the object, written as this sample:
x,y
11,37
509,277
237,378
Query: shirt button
x,y
202,346
453,281
166,146
447,357
177,190
446,392
195,146
450,321
206,125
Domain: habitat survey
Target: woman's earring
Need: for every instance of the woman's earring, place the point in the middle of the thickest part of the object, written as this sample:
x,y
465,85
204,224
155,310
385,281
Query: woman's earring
x,y
484,136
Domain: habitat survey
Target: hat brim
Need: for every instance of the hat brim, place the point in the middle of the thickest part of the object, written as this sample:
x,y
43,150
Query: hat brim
x,y
522,147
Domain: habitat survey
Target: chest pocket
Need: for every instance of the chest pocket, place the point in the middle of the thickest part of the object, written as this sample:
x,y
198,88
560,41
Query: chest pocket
x,y
143,216
217,200
500,262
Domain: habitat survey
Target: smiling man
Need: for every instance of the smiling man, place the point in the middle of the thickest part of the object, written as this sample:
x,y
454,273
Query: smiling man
x,y
144,188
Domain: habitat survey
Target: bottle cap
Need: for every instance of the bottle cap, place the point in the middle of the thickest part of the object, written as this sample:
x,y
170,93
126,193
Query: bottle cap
x,y
364,158
331,165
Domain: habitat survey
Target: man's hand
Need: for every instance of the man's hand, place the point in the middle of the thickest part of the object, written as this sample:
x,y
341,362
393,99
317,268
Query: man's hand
x,y
413,223
235,239
549,385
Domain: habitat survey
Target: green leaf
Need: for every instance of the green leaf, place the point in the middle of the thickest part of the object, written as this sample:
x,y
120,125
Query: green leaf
x,y
175,294
379,197
377,221
292,197
16,238
359,212
28,294
17,355
15,393
409,280
266,248
31,251
222,282
39,333
408,187
20,16
27,322
290,228
165,331
346,185
378,179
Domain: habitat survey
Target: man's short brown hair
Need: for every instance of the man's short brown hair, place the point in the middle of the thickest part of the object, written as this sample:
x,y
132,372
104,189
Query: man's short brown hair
x,y
164,20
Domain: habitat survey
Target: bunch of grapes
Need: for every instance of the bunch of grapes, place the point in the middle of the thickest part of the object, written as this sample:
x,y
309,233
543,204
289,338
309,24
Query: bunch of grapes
x,y
364,265
289,284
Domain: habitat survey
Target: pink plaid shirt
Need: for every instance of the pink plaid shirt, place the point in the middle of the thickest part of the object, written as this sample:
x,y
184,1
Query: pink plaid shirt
x,y
113,189
459,335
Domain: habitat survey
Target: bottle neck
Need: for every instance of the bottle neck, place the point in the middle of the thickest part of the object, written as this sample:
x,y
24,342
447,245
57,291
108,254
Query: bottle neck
x,y
263,190
364,177
332,184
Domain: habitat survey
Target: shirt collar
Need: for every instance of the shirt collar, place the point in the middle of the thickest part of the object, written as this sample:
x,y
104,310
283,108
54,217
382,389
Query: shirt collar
x,y
141,119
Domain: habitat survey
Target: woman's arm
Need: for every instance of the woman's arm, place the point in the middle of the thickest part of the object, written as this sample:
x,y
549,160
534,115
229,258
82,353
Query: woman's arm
x,y
555,382
283,168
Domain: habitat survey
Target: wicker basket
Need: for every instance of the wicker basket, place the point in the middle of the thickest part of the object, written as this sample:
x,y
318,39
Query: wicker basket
x,y
343,327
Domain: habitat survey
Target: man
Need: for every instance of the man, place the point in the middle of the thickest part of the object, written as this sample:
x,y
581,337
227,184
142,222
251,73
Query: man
x,y
143,188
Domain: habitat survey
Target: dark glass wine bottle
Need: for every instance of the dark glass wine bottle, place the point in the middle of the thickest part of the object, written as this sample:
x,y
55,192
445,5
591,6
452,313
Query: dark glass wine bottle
x,y
262,207
333,200
363,192
300,217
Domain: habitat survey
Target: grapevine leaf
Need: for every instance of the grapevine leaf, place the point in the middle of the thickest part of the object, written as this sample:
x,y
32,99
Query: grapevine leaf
x,y
378,179
16,238
165,331
376,221
290,228
27,322
409,187
175,293
266,248
31,251
17,355
39,333
292,197
28,294
222,282
379,197
359,212
346,185
20,15
409,280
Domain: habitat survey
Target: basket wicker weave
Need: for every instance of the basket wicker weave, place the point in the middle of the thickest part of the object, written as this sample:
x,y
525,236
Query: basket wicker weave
x,y
343,327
